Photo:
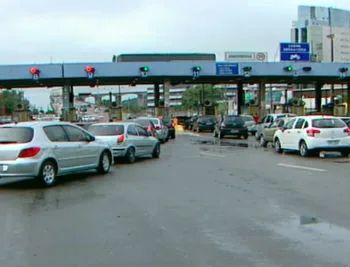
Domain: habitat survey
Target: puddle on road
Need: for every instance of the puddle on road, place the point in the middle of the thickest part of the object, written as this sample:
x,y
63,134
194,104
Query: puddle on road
x,y
312,235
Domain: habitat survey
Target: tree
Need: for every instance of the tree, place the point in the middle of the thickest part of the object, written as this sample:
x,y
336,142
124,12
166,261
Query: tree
x,y
11,98
193,97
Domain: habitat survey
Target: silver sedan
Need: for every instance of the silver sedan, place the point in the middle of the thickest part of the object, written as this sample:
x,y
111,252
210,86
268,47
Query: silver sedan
x,y
128,140
45,150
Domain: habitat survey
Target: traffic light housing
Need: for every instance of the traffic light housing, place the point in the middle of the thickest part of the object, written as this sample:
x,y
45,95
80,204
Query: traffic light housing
x,y
307,69
196,71
343,70
288,68
144,70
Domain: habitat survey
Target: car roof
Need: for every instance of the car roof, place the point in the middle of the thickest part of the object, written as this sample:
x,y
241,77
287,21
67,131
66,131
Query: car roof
x,y
35,124
113,123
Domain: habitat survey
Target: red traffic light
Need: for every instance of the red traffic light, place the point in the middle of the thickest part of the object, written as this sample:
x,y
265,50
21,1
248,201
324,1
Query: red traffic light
x,y
89,69
34,71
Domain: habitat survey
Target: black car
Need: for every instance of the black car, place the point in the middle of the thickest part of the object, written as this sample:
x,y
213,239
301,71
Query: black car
x,y
171,127
204,123
231,125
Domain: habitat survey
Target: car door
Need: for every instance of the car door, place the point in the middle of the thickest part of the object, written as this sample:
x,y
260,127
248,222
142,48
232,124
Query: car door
x,y
146,143
61,147
133,139
87,153
296,133
285,135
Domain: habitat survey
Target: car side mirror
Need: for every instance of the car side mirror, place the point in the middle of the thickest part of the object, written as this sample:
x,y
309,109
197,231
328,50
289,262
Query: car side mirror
x,y
89,138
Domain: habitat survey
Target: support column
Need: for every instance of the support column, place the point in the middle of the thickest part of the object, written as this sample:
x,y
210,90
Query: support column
x,y
240,98
348,98
166,92
262,99
68,111
318,97
156,98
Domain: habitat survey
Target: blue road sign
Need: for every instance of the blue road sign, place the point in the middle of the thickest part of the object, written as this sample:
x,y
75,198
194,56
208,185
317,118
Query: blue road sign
x,y
227,69
295,51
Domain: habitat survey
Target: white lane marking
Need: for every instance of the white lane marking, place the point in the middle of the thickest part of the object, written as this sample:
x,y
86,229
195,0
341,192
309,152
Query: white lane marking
x,y
300,167
211,154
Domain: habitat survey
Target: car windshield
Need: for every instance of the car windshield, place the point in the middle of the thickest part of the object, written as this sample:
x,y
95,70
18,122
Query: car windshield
x,y
155,121
17,135
234,119
328,123
107,130
207,118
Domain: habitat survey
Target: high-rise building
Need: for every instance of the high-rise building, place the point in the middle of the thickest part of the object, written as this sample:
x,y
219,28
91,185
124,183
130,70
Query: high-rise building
x,y
175,95
326,29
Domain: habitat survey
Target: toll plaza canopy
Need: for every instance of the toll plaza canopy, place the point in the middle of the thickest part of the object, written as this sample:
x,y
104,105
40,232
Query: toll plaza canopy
x,y
174,71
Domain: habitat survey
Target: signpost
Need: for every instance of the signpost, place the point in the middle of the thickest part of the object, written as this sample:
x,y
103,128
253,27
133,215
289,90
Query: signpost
x,y
295,51
227,69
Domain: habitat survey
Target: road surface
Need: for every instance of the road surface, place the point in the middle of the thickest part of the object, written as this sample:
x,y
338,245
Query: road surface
x,y
201,204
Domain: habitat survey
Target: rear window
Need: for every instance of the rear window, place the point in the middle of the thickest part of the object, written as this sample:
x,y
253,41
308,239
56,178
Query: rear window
x,y
328,123
143,122
106,130
19,135
207,118
155,121
247,118
234,119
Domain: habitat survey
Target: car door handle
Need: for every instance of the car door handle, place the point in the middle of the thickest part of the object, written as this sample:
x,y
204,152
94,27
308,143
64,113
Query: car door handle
x,y
298,131
288,131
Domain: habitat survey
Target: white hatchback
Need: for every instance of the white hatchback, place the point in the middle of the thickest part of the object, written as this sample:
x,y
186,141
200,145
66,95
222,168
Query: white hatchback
x,y
308,134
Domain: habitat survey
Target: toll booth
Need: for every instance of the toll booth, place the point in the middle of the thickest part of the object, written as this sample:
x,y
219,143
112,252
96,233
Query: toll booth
x,y
115,113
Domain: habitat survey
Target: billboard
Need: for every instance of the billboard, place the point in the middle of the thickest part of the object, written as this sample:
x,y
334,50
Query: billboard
x,y
246,56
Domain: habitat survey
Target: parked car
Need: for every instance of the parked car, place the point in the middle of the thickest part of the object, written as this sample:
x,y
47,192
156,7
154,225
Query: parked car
x,y
47,149
346,120
161,128
231,125
250,123
204,123
171,127
128,140
268,132
267,120
308,134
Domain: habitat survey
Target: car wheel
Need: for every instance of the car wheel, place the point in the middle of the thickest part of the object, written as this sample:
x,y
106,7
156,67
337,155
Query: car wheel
x,y
245,136
130,155
263,143
303,150
47,174
215,134
221,135
277,145
173,136
156,152
105,163
345,154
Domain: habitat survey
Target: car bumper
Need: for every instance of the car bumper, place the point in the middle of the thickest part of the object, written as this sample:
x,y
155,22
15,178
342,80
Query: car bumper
x,y
323,144
205,127
18,168
119,152
171,131
234,131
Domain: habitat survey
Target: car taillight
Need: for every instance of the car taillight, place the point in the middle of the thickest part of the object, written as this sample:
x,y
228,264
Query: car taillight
x,y
173,125
312,132
223,124
29,152
158,128
347,130
120,139
149,128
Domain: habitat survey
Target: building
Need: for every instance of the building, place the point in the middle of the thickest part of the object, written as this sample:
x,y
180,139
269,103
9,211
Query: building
x,y
175,95
326,29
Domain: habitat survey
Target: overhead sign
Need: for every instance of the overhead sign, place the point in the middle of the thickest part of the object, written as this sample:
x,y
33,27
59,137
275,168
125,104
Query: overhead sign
x,y
227,69
246,56
295,51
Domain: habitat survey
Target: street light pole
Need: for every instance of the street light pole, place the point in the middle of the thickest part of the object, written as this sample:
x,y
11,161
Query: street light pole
x,y
331,37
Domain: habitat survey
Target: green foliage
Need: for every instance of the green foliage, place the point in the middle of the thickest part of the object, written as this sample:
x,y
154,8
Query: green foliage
x,y
11,98
192,97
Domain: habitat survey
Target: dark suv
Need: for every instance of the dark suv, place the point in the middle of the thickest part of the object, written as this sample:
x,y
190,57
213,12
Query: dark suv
x,y
204,123
231,125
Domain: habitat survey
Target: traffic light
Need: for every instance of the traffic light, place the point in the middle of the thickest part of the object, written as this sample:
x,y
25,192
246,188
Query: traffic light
x,y
288,68
307,69
343,70
247,70
144,70
35,73
90,71
196,71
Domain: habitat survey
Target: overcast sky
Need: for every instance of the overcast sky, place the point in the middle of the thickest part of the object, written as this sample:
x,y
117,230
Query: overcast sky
x,y
86,30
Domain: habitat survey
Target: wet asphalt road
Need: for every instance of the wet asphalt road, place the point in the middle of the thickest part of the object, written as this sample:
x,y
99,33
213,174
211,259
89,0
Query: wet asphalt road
x,y
198,205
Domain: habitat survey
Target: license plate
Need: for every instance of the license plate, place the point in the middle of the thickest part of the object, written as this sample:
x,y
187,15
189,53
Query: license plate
x,y
333,142
234,131
208,123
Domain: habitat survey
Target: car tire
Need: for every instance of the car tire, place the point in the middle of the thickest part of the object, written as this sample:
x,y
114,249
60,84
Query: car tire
x,y
215,134
263,143
277,146
303,150
173,136
130,155
221,135
47,173
345,153
105,163
245,136
156,151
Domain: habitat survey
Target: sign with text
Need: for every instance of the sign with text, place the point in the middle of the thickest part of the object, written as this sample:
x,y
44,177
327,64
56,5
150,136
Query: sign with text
x,y
227,69
295,51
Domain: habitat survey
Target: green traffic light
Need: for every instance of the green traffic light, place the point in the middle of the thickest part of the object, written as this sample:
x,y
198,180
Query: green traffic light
x,y
197,68
289,68
146,68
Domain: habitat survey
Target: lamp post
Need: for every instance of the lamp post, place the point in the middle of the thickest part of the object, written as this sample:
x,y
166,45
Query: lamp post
x,y
331,36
